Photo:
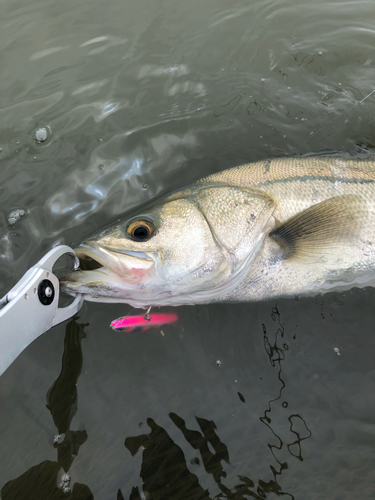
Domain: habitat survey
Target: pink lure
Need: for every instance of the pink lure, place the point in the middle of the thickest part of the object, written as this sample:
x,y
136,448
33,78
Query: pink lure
x,y
140,323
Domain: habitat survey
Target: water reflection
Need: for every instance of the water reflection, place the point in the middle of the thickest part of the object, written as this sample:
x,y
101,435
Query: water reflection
x,y
167,469
62,397
40,482
164,471
50,479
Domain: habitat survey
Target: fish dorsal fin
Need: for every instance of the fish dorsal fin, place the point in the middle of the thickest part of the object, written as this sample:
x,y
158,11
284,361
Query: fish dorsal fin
x,y
327,229
236,216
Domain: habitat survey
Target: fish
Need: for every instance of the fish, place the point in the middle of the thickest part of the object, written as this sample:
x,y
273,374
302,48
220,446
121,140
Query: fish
x,y
141,323
281,227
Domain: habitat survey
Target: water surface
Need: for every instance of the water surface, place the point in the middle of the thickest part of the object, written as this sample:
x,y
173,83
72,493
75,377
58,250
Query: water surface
x,y
235,401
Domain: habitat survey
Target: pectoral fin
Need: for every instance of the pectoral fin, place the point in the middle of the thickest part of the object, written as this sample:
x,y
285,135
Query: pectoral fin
x,y
329,228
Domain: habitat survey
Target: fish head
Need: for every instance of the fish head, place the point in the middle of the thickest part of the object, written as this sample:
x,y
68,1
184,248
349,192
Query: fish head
x,y
192,247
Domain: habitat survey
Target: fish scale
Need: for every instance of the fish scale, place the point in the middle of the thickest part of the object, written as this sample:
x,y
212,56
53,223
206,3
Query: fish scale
x,y
296,183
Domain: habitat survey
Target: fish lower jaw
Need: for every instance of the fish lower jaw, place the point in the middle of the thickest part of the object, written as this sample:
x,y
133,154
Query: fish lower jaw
x,y
107,287
140,298
138,304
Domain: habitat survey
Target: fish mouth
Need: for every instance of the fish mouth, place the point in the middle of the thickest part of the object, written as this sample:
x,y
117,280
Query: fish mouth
x,y
104,271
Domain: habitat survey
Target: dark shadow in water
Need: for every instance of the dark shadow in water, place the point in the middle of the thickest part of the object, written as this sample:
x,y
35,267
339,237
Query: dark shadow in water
x,y
164,471
62,397
276,354
40,482
211,461
46,479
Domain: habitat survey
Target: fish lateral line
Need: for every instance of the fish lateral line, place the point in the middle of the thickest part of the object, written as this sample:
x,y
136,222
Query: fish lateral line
x,y
323,178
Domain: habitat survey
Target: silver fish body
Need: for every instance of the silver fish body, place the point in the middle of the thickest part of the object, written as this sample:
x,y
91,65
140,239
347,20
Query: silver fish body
x,y
274,228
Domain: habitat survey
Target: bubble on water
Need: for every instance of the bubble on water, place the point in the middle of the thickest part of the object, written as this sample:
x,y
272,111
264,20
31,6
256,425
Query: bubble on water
x,y
101,166
15,215
41,134
337,351
218,362
320,52
1,150
144,185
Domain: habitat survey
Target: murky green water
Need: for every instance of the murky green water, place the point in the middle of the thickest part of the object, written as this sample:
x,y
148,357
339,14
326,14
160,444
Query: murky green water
x,y
234,401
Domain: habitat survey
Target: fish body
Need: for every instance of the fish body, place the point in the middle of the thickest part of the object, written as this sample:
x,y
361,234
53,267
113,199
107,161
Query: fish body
x,y
274,228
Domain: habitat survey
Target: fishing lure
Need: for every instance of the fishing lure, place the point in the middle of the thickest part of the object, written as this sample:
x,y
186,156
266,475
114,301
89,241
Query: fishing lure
x,y
142,323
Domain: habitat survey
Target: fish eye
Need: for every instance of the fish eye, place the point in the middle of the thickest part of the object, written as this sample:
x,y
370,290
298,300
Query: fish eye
x,y
141,230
